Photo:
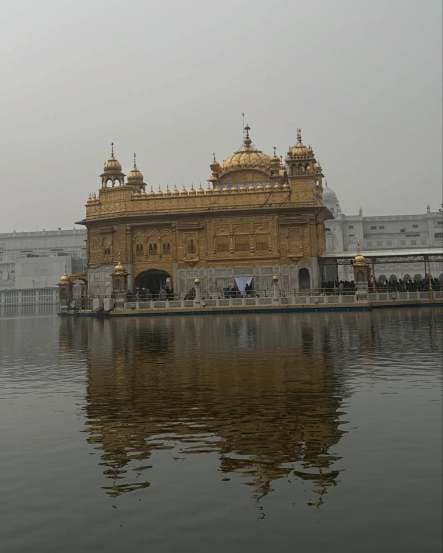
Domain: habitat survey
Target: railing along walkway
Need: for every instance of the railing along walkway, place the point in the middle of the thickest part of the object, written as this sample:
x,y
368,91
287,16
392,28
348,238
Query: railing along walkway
x,y
299,299
29,296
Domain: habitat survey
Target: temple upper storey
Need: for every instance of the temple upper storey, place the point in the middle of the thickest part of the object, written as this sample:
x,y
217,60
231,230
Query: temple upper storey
x,y
247,179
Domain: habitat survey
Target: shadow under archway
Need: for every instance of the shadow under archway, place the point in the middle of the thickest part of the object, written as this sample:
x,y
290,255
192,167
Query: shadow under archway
x,y
304,279
153,280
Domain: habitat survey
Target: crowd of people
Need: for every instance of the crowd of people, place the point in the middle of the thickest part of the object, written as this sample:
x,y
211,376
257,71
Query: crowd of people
x,y
391,285
409,285
340,286
328,287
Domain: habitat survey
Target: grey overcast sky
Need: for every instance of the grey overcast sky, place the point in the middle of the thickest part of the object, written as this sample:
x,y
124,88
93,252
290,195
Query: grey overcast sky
x,y
169,80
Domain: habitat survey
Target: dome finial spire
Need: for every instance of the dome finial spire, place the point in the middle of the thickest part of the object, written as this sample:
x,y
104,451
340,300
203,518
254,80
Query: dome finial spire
x,y
247,140
135,161
299,141
112,150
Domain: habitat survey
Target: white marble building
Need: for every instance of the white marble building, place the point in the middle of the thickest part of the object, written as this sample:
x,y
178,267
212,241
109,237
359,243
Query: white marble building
x,y
37,259
383,233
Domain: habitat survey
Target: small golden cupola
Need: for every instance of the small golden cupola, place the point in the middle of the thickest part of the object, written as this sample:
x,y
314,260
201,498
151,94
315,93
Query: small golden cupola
x,y
360,260
277,168
112,171
64,279
135,177
246,165
119,268
215,169
301,160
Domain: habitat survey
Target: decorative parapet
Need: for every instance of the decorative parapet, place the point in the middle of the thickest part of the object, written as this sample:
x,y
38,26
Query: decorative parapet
x,y
124,200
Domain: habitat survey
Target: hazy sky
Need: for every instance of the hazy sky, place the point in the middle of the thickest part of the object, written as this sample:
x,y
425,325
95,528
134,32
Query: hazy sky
x,y
169,80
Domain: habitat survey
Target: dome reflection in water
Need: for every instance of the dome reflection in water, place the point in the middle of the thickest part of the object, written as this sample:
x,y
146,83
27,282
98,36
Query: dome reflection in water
x,y
265,398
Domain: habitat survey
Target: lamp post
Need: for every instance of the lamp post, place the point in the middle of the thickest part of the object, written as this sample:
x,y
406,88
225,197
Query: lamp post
x,y
120,284
65,287
275,288
197,298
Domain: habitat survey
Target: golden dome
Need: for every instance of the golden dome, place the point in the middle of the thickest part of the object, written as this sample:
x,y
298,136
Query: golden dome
x,y
112,166
64,279
135,176
119,268
300,150
359,259
248,157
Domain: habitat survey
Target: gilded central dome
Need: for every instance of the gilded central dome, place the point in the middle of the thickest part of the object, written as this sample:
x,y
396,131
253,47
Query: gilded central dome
x,y
248,157
251,158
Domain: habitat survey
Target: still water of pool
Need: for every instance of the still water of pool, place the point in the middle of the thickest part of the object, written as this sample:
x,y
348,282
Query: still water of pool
x,y
232,433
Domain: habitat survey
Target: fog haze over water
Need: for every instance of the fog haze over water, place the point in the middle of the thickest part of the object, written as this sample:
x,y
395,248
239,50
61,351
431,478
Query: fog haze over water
x,y
170,80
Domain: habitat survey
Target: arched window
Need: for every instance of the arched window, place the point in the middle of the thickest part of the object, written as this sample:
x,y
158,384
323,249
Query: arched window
x,y
139,249
152,248
191,246
166,248
304,279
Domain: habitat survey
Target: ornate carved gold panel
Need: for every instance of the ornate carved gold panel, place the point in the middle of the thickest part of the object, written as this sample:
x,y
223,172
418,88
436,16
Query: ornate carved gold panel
x,y
297,240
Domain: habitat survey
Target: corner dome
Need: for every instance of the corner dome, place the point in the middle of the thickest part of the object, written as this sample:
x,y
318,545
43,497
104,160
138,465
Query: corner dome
x,y
330,200
300,150
112,166
135,176
329,195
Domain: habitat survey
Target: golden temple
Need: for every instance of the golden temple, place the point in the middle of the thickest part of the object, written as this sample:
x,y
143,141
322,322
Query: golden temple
x,y
259,217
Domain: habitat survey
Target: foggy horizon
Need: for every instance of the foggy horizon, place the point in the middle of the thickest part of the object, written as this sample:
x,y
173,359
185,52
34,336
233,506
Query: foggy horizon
x,y
169,82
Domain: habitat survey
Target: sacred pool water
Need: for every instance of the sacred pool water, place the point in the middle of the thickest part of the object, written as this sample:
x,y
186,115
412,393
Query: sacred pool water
x,y
231,433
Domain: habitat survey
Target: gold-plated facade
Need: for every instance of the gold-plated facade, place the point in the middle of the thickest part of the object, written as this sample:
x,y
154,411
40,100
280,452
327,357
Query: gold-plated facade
x,y
257,217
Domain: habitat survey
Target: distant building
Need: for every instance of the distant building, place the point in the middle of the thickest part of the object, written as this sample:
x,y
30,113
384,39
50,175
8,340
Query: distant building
x,y
383,234
37,259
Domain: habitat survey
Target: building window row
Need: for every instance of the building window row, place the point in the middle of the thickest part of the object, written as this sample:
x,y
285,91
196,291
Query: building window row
x,y
153,248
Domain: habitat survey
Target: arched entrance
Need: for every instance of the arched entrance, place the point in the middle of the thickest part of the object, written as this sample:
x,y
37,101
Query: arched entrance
x,y
304,279
153,281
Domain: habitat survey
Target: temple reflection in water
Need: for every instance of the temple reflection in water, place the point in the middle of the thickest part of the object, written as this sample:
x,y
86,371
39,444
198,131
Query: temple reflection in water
x,y
262,393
